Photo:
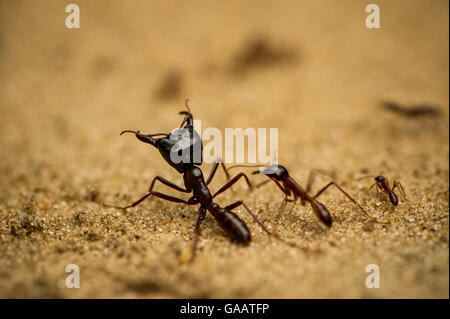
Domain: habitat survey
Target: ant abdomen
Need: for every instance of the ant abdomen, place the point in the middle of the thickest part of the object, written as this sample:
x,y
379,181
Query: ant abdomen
x,y
232,224
322,213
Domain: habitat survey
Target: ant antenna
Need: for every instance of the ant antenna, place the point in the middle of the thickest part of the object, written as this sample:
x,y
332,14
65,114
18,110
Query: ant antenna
x,y
188,117
364,177
243,165
368,176
130,131
139,133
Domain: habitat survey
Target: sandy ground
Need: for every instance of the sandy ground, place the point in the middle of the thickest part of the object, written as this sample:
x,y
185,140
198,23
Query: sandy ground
x,y
66,94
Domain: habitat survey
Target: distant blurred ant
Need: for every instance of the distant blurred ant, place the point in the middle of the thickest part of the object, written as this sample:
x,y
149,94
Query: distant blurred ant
x,y
280,176
412,111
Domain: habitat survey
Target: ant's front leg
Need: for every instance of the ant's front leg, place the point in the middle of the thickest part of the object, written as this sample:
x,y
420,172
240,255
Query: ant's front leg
x,y
379,190
233,181
167,183
214,169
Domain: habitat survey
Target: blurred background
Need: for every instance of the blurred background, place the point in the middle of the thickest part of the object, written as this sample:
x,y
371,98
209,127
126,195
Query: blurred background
x,y
312,69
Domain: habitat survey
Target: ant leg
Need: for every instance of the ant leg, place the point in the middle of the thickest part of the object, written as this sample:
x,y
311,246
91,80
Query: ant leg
x,y
391,211
287,192
150,192
214,169
274,235
345,193
374,184
283,205
262,183
283,189
200,218
313,174
401,189
232,181
157,194
167,183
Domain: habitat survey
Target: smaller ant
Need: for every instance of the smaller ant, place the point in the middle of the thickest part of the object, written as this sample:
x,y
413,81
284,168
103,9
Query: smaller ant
x,y
288,186
382,184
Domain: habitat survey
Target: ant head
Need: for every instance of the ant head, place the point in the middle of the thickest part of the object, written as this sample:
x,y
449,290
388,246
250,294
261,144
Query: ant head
x,y
182,148
380,179
275,171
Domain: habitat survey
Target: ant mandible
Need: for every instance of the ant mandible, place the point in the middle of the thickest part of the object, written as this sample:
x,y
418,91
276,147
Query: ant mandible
x,y
172,145
288,186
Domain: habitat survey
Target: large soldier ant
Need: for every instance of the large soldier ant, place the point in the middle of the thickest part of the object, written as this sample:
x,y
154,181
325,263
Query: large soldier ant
x,y
176,143
288,186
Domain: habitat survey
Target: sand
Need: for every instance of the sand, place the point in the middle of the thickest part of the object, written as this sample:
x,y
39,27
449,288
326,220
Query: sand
x,y
318,75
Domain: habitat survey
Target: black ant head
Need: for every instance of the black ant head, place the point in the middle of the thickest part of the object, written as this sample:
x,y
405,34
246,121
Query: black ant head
x,y
275,171
380,179
182,148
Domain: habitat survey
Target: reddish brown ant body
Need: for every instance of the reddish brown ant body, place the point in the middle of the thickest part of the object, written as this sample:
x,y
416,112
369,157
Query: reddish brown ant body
x,y
289,186
382,184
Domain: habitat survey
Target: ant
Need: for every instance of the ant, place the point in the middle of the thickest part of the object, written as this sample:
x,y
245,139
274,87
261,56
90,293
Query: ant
x,y
382,185
413,111
288,186
174,144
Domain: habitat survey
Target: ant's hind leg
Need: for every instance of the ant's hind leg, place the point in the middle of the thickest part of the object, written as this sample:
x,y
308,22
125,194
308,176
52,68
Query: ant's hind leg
x,y
345,193
241,203
150,192
274,235
283,205
157,194
401,189
233,181
374,184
